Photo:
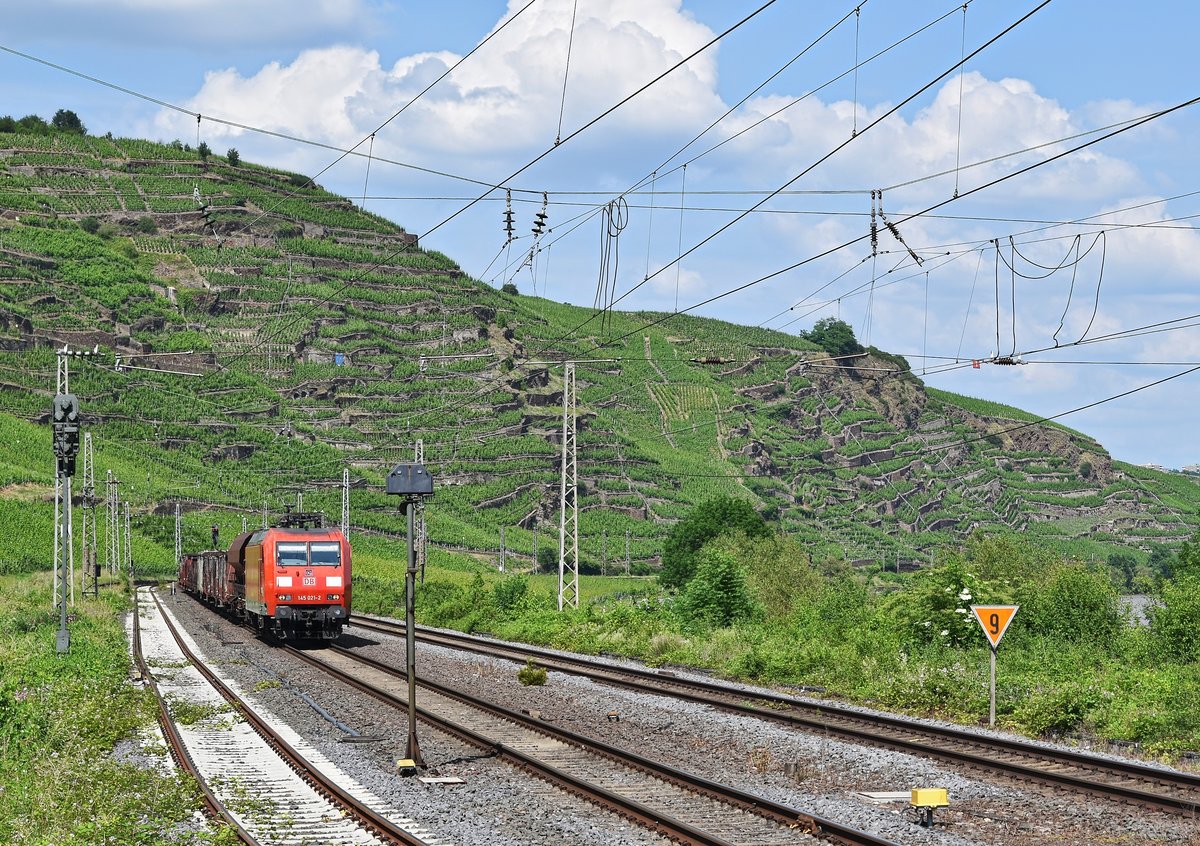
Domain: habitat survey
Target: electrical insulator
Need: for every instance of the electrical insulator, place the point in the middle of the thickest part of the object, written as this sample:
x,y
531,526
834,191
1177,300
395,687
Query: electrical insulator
x,y
539,219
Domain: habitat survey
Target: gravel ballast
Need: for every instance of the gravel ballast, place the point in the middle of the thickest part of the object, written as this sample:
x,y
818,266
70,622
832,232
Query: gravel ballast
x,y
498,806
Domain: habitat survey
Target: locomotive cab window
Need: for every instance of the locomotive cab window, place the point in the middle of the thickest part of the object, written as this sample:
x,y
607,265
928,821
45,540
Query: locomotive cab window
x,y
291,554
326,553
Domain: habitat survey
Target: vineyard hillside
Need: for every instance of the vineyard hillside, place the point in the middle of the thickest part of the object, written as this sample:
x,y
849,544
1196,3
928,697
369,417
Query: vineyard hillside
x,y
256,337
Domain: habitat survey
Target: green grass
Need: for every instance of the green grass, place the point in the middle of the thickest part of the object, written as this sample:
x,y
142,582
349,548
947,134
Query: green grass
x,y
61,718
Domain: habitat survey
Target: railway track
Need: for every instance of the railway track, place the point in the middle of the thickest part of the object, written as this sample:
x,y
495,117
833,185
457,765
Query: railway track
x,y
261,778
683,807
1124,781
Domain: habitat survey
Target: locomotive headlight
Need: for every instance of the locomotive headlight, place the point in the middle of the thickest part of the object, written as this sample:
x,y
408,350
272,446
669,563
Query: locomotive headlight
x,y
285,597
333,597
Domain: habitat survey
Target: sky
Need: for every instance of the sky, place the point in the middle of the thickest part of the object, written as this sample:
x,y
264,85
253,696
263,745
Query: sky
x,y
1006,244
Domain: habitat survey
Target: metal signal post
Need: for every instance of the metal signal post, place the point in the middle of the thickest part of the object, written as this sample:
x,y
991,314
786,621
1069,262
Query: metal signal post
x,y
413,484
65,423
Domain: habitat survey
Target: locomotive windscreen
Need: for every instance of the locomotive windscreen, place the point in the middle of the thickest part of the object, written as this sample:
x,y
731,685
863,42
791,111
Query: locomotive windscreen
x,y
327,553
315,554
291,554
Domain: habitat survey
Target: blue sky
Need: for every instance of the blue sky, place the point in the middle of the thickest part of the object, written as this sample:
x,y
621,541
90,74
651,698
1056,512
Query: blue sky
x,y
333,71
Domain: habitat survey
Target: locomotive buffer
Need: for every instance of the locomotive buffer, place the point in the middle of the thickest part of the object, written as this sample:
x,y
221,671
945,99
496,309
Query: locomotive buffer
x,y
413,484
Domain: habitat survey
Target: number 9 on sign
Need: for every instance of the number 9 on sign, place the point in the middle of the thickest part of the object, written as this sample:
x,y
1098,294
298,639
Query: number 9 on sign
x,y
994,619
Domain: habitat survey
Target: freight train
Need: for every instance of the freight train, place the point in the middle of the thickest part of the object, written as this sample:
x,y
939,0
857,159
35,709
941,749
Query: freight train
x,y
290,581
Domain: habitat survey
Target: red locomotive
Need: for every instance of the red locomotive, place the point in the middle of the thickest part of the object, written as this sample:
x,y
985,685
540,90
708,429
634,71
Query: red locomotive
x,y
291,581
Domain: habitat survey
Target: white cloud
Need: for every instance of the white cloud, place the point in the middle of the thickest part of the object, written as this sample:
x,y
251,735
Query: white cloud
x,y
506,96
308,97
999,117
1151,243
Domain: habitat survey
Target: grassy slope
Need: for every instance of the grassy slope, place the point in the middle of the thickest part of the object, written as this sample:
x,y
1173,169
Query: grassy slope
x,y
302,275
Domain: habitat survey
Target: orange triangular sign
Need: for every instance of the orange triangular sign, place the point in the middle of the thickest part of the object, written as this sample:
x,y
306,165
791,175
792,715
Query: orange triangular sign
x,y
995,620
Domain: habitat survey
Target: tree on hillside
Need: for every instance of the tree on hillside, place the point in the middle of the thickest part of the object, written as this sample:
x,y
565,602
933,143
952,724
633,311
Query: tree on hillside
x,y
33,125
547,559
65,120
233,157
1124,568
509,288
834,336
1161,561
204,151
711,518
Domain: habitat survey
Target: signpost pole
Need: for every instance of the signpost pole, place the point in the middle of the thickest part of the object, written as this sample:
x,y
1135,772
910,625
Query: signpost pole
x,y
992,689
413,750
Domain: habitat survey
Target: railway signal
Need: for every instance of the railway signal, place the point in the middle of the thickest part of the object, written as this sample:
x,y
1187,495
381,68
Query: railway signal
x,y
65,425
413,484
994,619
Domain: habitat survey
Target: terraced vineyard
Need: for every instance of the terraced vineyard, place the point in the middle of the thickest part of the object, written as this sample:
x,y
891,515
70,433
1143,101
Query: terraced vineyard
x,y
320,337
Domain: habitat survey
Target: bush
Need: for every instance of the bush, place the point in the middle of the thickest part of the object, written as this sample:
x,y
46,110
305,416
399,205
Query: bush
x,y
233,157
204,151
531,674
89,225
716,516
509,288
717,595
1058,708
509,594
1072,602
146,225
1175,625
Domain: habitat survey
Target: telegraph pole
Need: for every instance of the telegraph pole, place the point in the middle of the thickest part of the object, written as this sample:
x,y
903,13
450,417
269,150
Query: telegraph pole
x,y
178,535
128,545
501,549
346,503
112,536
91,567
626,552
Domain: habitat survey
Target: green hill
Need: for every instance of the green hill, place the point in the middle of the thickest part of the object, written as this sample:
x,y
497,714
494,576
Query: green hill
x,y
305,337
